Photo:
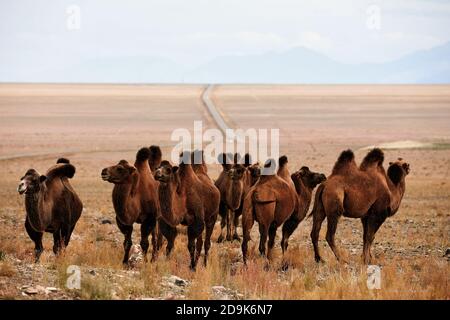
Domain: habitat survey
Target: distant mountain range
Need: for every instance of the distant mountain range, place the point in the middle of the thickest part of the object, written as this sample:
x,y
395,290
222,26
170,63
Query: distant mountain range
x,y
297,65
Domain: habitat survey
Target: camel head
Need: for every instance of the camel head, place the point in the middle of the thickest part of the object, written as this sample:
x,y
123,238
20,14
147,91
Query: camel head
x,y
308,178
121,173
236,172
30,182
166,172
255,172
398,170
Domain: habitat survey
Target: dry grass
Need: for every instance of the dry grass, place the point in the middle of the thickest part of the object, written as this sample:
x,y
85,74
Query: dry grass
x,y
409,246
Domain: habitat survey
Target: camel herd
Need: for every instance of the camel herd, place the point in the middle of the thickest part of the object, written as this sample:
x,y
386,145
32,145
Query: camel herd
x,y
160,196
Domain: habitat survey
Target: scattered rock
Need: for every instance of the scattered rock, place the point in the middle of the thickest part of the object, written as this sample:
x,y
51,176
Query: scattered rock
x,y
223,293
136,255
176,281
106,221
31,291
92,272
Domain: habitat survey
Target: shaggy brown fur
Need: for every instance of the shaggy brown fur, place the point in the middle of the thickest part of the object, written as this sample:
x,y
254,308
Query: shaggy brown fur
x,y
234,182
155,157
135,200
302,184
366,192
270,202
187,198
51,204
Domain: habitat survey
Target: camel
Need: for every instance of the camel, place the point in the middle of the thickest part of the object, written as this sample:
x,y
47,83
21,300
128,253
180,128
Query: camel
x,y
302,184
367,192
154,160
187,198
51,204
135,200
270,202
234,182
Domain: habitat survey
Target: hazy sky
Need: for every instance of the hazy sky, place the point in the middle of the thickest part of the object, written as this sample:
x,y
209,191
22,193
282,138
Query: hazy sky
x,y
35,33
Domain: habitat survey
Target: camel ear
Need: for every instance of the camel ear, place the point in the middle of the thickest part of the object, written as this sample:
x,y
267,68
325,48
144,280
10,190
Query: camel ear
x,y
42,178
391,163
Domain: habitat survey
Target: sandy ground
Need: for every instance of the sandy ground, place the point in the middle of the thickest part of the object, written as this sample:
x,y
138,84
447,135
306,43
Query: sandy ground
x,y
97,125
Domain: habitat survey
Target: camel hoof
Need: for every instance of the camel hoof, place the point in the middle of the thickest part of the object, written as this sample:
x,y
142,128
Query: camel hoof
x,y
284,266
236,237
220,240
319,260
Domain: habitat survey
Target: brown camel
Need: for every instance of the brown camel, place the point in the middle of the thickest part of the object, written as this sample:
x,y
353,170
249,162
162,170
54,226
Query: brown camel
x,y
187,198
270,202
51,204
135,200
366,192
234,182
302,184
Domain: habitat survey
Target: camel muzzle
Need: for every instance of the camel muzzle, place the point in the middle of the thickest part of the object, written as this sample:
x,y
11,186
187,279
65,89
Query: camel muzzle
x,y
22,188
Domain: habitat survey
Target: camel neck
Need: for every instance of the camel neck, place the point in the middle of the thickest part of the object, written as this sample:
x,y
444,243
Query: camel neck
x,y
32,208
167,196
121,195
397,191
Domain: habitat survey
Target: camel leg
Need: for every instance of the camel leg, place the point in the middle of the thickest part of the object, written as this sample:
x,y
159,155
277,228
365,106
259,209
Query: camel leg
x,y
223,212
198,246
37,239
209,230
127,243
263,231
371,225
272,233
318,217
331,231
57,241
160,237
247,224
147,227
288,228
68,235
170,233
237,214
195,231
230,221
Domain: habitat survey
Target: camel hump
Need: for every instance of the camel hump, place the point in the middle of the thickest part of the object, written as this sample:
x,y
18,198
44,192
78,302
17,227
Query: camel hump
x,y
375,156
155,156
142,155
61,170
282,161
345,158
247,160
62,160
263,195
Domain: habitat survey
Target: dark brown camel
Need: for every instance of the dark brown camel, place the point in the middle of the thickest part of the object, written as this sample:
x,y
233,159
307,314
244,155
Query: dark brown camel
x,y
51,204
302,184
366,192
187,198
135,200
234,182
270,202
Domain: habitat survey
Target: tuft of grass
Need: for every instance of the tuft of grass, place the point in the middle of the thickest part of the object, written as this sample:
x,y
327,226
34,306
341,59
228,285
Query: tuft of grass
x,y
6,270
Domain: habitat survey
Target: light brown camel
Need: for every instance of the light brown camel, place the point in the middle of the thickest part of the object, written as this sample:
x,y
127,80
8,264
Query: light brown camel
x,y
188,200
234,182
51,204
366,192
135,200
302,184
270,202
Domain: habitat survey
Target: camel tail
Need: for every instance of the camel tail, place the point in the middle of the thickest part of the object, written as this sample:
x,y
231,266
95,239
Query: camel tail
x,y
155,156
375,155
318,205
